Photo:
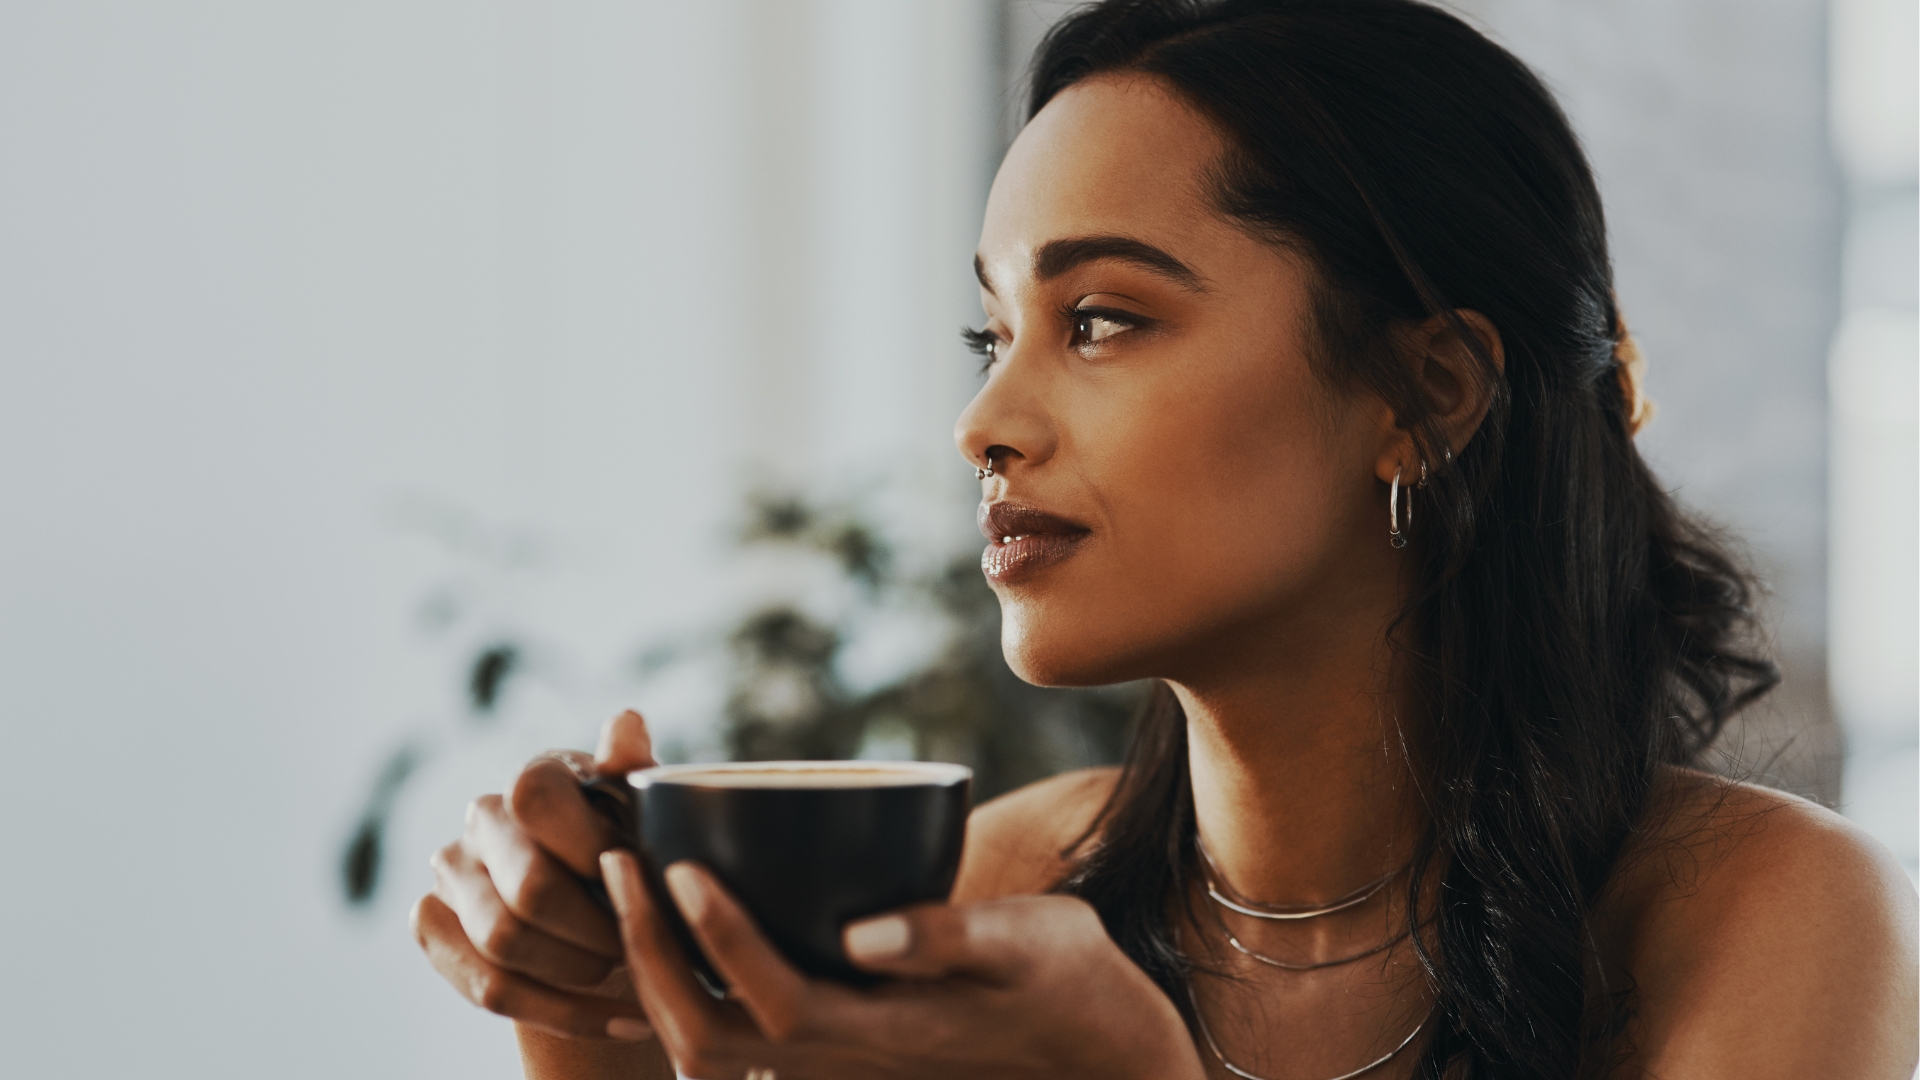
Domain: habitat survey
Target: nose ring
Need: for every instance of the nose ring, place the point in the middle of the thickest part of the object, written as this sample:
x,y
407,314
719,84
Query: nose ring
x,y
986,473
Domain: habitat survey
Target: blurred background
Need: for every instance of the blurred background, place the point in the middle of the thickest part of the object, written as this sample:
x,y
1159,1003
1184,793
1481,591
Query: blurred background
x,y
391,390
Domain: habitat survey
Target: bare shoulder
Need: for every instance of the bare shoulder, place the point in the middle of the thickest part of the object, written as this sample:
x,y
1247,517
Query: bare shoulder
x,y
1765,935
1017,843
1713,849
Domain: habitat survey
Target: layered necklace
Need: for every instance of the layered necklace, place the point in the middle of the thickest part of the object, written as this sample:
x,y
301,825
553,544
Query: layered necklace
x,y
1226,897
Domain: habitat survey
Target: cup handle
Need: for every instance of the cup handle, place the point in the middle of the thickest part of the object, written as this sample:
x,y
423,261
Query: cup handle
x,y
612,798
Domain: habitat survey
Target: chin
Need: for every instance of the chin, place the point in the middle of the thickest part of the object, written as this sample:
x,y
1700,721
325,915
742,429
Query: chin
x,y
1047,648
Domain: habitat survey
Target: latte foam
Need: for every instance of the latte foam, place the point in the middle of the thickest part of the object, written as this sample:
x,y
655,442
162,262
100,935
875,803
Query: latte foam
x,y
803,774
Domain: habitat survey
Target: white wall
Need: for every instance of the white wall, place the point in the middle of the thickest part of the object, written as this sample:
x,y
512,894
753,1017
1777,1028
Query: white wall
x,y
1874,380
316,316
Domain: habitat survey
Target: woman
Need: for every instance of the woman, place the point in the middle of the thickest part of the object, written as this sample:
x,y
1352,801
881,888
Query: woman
x,y
1306,396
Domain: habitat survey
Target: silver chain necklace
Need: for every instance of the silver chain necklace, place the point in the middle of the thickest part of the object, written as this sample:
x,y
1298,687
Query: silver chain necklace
x,y
1236,1070
1258,910
1284,965
1285,912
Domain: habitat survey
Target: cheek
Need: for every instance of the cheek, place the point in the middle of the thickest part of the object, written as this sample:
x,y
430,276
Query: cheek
x,y
1224,498
1229,490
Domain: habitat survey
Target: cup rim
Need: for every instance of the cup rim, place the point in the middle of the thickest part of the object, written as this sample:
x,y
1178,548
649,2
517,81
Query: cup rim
x,y
938,773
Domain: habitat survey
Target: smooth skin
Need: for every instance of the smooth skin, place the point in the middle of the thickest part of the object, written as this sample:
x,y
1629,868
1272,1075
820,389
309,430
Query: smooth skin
x,y
1158,393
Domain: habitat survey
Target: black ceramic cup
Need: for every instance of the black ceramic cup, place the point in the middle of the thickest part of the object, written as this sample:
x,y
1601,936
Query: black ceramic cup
x,y
806,846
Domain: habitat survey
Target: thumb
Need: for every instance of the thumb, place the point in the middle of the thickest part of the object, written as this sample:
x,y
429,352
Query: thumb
x,y
625,745
996,941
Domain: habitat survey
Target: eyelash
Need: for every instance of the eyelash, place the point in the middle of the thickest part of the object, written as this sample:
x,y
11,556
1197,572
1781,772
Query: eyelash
x,y
981,343
985,343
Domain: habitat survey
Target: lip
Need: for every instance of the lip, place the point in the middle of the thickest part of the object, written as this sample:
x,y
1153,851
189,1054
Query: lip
x,y
1040,540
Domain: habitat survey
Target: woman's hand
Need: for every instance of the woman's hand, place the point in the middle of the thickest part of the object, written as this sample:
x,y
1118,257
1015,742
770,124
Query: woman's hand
x,y
510,922
1025,986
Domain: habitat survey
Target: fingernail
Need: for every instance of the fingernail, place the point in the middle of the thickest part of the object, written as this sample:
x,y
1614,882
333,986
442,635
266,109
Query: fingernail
x,y
687,891
629,1029
603,750
877,939
616,870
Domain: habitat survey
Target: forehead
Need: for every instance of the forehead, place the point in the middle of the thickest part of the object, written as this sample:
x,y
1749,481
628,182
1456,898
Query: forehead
x,y
1108,156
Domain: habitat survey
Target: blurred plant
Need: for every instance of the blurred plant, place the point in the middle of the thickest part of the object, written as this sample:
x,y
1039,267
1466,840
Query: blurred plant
x,y
360,862
488,674
787,694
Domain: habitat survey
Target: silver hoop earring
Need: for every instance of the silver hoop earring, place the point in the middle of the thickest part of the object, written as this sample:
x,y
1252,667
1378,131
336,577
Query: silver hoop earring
x,y
1422,487
1394,536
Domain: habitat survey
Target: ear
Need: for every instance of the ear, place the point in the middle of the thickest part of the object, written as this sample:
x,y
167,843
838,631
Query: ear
x,y
1458,388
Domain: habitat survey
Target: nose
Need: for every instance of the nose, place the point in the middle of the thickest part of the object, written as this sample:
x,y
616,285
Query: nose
x,y
1008,424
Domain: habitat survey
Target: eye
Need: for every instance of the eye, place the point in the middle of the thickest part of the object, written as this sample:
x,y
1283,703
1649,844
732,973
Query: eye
x,y
1094,325
1092,328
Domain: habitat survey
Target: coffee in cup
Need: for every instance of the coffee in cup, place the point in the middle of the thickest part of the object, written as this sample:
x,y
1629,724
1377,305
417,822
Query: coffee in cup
x,y
805,846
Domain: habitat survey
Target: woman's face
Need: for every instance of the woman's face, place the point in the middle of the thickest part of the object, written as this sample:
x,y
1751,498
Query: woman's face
x,y
1189,493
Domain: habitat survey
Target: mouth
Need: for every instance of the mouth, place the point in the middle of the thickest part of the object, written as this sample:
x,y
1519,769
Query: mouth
x,y
1022,541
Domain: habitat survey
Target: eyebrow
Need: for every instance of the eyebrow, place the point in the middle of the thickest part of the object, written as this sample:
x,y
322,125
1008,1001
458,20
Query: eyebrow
x,y
1056,257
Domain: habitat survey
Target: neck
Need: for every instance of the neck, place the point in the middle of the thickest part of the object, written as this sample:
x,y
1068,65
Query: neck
x,y
1302,785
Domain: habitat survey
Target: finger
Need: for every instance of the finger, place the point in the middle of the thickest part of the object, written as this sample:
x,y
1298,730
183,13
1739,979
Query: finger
x,y
546,801
761,980
625,745
993,941
503,939
699,1031
438,930
534,885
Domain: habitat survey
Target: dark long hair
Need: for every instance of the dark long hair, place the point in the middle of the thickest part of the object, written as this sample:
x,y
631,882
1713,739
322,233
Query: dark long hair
x,y
1569,629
